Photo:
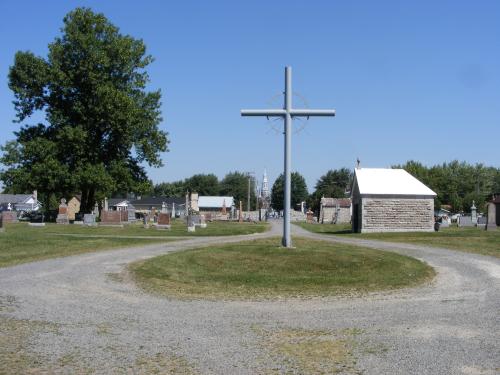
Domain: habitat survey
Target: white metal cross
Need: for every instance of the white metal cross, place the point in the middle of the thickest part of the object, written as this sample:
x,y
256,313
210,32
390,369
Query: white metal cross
x,y
288,113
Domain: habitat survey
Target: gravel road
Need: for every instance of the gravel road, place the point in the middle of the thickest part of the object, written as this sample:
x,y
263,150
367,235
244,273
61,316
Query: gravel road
x,y
103,323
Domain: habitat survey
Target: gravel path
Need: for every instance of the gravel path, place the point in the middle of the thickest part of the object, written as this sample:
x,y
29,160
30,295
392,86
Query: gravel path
x,y
107,325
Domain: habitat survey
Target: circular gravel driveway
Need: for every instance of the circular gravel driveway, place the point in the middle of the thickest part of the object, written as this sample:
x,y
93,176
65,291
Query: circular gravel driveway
x,y
104,323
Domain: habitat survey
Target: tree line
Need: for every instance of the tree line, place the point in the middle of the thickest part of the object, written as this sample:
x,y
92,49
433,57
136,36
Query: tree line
x,y
457,184
235,184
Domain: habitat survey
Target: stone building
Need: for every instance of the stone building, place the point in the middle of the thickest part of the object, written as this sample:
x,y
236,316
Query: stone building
x,y
335,210
390,200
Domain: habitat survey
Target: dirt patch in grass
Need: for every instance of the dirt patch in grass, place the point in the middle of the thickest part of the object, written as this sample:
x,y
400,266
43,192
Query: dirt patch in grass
x,y
300,351
260,269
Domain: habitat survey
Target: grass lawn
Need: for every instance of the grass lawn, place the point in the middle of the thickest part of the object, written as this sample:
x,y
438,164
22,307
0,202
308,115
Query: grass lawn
x,y
261,269
21,243
216,228
472,240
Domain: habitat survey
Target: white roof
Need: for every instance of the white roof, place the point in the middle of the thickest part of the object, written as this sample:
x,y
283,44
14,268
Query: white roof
x,y
207,201
381,181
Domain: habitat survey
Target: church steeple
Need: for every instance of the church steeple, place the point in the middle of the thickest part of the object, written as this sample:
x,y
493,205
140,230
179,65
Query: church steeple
x,y
265,186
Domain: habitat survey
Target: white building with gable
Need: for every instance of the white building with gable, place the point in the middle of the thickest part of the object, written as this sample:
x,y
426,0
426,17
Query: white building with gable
x,y
390,200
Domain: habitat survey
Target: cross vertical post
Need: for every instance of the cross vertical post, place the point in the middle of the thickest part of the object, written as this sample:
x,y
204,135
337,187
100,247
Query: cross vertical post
x,y
287,113
287,240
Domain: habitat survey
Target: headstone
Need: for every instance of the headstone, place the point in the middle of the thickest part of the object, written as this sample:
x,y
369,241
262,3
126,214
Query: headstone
x,y
111,218
492,217
191,227
163,221
89,220
9,217
1,223
203,223
310,216
62,216
131,215
240,214
36,225
9,206
96,210
482,221
145,221
473,213
163,208
208,217
173,209
465,221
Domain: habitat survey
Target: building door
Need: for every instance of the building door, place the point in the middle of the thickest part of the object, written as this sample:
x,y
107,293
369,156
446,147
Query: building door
x,y
355,218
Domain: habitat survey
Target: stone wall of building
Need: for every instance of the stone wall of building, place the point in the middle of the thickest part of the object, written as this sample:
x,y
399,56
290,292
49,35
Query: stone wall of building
x,y
397,215
327,215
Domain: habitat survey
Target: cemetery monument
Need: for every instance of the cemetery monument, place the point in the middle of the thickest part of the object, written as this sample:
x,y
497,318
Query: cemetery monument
x,y
288,113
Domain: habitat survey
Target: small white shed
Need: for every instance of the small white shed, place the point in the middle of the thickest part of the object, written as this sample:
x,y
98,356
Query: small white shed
x,y
390,200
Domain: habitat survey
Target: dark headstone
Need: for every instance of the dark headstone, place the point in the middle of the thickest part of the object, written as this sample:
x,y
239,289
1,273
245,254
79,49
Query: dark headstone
x,y
9,217
111,218
1,223
163,221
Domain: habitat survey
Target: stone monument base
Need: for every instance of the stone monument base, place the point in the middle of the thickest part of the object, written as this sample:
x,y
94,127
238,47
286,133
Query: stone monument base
x,y
162,226
36,224
192,229
62,219
491,227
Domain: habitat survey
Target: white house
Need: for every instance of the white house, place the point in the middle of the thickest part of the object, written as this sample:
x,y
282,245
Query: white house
x,y
390,200
19,202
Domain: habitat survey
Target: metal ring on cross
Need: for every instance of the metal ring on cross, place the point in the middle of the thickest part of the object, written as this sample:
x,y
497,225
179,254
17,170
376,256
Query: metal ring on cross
x,y
276,123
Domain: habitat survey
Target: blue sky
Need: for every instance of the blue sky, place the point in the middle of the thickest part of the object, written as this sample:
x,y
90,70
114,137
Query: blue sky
x,y
409,80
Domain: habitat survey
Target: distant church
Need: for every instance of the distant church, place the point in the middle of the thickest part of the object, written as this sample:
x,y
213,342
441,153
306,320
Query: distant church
x,y
265,193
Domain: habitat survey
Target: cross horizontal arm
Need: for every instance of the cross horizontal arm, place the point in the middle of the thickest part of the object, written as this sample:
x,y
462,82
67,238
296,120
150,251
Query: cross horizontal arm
x,y
263,112
312,112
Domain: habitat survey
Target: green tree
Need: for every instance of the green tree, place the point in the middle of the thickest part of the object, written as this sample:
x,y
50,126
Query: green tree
x,y
235,184
203,184
170,189
102,124
298,194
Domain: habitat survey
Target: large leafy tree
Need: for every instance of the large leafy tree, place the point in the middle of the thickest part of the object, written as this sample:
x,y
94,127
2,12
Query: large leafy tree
x,y
170,189
203,184
101,122
235,184
298,194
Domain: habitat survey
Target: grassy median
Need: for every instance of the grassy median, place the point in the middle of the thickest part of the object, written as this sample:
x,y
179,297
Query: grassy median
x,y
260,269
